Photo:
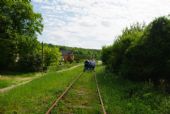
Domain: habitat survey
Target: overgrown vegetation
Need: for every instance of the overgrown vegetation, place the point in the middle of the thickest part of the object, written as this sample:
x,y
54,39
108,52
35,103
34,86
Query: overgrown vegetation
x,y
81,99
19,47
122,96
141,52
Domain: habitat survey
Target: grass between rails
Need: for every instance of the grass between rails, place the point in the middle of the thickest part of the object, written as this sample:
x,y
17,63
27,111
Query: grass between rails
x,y
36,97
82,98
126,97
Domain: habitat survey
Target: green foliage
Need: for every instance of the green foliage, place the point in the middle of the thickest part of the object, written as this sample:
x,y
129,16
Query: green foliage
x,y
19,47
141,53
18,32
150,56
52,55
29,55
113,56
81,53
19,18
106,54
7,48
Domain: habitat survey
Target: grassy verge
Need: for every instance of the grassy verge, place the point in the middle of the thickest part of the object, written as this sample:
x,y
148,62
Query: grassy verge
x,y
62,66
35,97
15,78
82,98
5,83
12,78
126,97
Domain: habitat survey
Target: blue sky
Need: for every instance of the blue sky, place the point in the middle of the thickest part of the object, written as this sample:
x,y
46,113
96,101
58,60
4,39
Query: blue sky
x,y
94,23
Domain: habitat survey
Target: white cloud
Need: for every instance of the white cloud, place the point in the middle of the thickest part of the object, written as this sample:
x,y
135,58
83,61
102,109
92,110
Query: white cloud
x,y
94,23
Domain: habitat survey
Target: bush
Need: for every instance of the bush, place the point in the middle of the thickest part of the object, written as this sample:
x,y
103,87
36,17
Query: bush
x,y
141,53
149,57
52,55
30,62
113,56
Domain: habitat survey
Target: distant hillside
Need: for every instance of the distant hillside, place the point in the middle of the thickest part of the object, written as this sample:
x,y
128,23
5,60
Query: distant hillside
x,y
81,53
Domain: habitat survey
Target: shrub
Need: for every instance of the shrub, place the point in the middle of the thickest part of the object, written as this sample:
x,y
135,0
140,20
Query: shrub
x,y
149,57
141,53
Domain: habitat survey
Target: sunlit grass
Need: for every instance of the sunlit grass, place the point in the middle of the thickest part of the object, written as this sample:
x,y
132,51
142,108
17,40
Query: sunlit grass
x,y
35,97
8,80
12,78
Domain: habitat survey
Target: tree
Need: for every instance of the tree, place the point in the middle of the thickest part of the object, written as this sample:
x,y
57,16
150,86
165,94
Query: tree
x,y
151,55
141,53
113,56
52,55
18,24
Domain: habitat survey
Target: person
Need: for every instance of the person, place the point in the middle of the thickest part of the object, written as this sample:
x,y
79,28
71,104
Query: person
x,y
86,65
93,65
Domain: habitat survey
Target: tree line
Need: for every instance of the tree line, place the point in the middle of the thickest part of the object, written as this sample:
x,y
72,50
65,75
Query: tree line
x,y
80,54
19,48
141,52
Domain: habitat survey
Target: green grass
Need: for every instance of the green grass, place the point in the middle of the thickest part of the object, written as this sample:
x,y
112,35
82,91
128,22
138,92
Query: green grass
x,y
13,78
36,97
9,79
125,97
63,66
20,74
82,98
5,83
120,96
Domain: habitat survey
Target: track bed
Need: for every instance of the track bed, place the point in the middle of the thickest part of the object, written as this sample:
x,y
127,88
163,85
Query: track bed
x,y
81,98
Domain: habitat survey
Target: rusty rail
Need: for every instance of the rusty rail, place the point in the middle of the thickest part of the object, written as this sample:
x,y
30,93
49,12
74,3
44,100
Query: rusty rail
x,y
62,95
100,97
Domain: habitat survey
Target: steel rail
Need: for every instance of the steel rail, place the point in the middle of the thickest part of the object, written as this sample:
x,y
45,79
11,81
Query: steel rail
x,y
100,97
62,95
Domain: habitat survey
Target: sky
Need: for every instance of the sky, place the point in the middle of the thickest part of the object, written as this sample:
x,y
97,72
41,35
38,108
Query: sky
x,y
94,23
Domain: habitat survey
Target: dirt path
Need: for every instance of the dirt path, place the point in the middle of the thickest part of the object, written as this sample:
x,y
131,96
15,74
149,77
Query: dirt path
x,y
29,79
81,99
24,81
69,68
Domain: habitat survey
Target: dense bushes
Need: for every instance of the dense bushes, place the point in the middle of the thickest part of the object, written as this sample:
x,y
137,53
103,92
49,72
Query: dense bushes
x,y
141,53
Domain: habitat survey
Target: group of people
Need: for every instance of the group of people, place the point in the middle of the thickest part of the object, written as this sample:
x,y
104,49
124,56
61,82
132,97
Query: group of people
x,y
89,65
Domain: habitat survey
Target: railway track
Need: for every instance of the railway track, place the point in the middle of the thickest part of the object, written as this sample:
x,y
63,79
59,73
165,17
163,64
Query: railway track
x,y
55,103
100,97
